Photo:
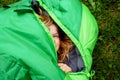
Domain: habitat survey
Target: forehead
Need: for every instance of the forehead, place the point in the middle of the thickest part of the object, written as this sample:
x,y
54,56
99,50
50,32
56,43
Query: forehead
x,y
53,28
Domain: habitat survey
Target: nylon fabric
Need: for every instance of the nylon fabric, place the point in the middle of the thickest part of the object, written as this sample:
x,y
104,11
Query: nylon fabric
x,y
66,13
29,46
23,37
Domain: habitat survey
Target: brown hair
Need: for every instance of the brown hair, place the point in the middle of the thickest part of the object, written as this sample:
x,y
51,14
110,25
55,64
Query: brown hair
x,y
65,43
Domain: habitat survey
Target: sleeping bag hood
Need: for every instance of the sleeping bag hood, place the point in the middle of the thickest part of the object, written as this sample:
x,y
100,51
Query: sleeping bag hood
x,y
27,50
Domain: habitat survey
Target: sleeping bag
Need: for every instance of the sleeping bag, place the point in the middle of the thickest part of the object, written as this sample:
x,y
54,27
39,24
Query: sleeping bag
x,y
27,50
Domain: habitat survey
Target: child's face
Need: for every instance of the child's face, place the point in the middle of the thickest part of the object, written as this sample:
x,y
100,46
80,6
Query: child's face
x,y
54,31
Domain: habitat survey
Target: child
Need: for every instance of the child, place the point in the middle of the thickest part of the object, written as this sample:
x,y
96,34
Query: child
x,y
69,59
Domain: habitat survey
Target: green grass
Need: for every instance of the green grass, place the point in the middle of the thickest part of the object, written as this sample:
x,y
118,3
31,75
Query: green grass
x,y
6,2
106,55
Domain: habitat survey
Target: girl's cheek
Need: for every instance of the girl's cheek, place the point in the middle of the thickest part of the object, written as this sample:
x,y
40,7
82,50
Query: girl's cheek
x,y
57,43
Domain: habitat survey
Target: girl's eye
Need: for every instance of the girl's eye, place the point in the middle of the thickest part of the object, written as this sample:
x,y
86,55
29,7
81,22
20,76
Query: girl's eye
x,y
55,35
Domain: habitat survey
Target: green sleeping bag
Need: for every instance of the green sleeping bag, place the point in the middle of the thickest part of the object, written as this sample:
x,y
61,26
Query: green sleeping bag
x,y
27,50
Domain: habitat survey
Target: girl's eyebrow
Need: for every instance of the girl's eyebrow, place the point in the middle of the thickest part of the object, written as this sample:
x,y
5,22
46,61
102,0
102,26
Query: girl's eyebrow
x,y
56,33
